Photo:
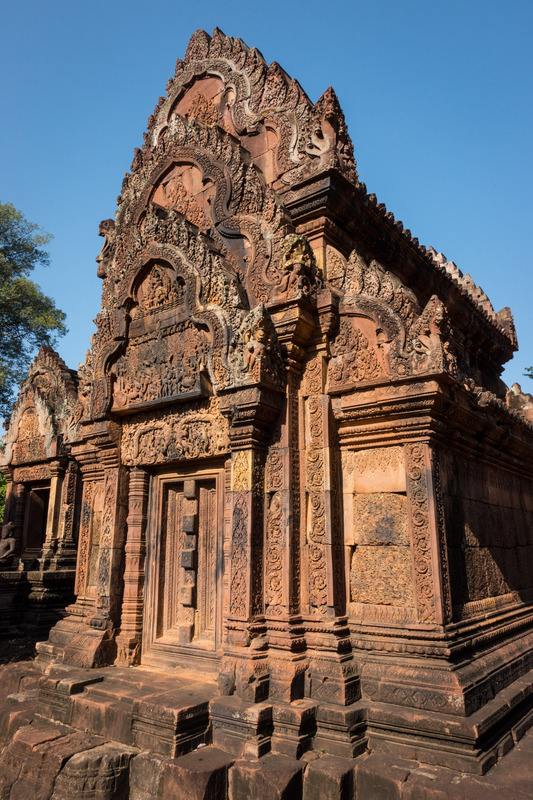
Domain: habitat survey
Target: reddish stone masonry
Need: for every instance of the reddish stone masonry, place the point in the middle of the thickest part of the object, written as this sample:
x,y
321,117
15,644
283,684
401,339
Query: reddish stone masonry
x,y
295,495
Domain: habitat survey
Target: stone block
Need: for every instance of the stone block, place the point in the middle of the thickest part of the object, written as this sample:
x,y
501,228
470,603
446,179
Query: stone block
x,y
381,778
381,519
43,764
382,575
13,715
294,727
379,470
341,731
329,778
101,773
274,777
146,772
103,717
201,775
239,728
188,559
173,723
190,522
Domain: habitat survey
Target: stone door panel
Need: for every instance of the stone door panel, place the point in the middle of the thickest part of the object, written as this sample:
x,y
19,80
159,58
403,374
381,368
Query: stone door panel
x,y
182,613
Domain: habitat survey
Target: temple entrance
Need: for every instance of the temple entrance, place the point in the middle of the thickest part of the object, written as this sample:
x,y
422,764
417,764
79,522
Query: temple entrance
x,y
35,518
184,567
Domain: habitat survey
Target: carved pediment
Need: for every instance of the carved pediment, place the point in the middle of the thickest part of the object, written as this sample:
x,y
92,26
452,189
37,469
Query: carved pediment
x,y
223,82
44,417
383,335
29,442
167,351
161,288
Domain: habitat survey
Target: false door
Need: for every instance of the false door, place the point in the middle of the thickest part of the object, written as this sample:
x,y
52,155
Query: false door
x,y
184,565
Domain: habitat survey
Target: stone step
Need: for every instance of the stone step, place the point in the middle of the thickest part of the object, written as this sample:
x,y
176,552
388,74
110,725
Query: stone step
x,y
172,723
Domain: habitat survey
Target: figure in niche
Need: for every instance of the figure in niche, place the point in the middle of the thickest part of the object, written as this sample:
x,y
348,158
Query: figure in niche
x,y
255,348
159,290
180,291
295,283
297,263
7,544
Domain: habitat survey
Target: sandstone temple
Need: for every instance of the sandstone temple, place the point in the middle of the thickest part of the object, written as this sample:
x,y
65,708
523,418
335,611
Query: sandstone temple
x,y
275,536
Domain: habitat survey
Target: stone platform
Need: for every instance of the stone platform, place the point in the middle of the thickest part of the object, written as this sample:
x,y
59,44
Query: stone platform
x,y
138,734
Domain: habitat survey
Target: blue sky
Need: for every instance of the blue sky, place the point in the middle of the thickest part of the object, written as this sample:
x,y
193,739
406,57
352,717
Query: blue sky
x,y
437,95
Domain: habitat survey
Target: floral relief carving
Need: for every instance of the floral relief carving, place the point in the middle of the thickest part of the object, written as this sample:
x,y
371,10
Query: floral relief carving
x,y
441,533
417,467
316,519
239,557
274,554
378,459
85,537
241,476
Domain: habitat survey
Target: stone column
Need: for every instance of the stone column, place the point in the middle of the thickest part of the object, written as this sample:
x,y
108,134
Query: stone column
x,y
57,472
296,325
130,637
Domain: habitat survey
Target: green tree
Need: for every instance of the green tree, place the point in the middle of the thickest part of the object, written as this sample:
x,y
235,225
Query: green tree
x,y
529,372
28,318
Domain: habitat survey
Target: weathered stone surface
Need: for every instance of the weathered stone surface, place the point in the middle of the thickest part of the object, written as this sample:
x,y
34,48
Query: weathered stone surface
x,y
302,504
202,775
329,778
35,757
101,773
275,777
172,724
382,777
146,771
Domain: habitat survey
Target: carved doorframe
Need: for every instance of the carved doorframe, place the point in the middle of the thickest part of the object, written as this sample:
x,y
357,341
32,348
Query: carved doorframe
x,y
168,649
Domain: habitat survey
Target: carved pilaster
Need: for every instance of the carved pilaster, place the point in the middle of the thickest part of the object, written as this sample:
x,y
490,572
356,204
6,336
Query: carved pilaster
x,y
108,593
244,668
430,565
332,676
129,640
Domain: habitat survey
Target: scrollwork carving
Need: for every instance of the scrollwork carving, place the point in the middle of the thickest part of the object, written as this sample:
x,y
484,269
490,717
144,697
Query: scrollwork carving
x,y
417,469
239,557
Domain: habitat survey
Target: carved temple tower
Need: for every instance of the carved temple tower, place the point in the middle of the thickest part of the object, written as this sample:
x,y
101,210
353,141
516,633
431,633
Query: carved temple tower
x,y
298,473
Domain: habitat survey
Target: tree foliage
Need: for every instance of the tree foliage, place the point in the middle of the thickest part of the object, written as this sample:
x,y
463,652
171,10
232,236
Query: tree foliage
x,y
529,372
28,318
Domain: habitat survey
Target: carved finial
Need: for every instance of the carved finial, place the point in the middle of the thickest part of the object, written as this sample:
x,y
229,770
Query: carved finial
x,y
198,47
